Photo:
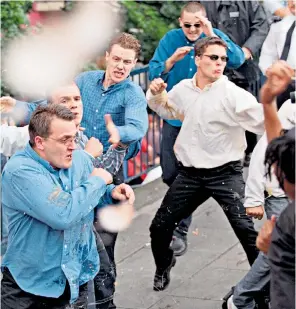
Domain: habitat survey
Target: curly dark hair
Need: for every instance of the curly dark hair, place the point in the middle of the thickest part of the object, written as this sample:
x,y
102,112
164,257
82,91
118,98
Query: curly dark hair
x,y
281,152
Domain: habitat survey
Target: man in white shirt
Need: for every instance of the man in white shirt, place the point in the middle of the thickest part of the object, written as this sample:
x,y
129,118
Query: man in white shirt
x,y
258,278
211,144
280,43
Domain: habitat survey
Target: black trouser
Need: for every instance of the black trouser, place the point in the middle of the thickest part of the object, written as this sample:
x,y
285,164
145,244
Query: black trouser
x,y
13,297
170,167
109,239
191,188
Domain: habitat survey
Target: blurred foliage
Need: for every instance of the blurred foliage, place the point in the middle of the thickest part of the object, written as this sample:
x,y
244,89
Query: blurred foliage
x,y
14,23
149,21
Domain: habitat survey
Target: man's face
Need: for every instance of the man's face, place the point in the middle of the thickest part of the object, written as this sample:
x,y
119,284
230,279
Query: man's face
x,y
69,96
292,6
120,62
58,148
212,63
191,19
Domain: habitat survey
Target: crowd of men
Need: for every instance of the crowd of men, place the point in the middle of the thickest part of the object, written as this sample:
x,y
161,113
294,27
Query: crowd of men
x,y
66,154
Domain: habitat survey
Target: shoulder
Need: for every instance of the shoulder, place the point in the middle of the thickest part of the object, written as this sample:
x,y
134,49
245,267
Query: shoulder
x,y
134,91
220,33
89,76
287,114
183,84
172,34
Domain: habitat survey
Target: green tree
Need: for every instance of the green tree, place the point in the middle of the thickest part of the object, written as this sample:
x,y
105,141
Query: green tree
x,y
149,21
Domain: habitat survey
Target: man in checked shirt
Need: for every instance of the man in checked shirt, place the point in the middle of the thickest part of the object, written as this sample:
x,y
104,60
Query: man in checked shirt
x,y
16,138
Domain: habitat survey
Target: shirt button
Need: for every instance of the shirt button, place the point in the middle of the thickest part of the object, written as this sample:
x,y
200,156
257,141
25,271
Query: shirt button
x,y
190,69
103,94
64,266
187,42
65,246
95,128
192,57
66,187
97,110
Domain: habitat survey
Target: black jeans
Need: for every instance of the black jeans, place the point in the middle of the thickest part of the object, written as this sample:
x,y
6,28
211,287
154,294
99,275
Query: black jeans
x,y
191,188
104,281
13,297
170,168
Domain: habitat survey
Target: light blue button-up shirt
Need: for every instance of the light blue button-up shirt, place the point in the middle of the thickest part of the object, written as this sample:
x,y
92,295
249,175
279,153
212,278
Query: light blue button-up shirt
x,y
186,68
50,218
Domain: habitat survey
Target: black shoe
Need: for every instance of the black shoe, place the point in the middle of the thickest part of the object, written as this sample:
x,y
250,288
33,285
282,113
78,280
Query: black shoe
x,y
179,245
247,160
226,297
162,278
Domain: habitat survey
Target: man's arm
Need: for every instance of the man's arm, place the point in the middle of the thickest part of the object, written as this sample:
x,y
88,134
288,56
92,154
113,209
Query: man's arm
x,y
13,139
259,27
166,105
234,52
31,191
136,116
255,185
269,52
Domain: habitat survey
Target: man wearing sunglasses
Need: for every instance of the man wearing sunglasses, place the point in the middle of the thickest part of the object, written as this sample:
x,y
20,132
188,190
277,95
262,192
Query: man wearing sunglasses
x,y
210,147
174,61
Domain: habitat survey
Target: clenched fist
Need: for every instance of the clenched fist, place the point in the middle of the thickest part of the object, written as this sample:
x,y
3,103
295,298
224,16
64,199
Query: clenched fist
x,y
7,104
157,86
255,212
94,147
112,130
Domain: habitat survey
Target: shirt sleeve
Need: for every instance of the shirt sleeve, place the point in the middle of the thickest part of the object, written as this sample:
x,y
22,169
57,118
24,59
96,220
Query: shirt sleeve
x,y
234,52
34,193
167,105
23,111
269,52
246,110
255,185
136,117
13,139
157,63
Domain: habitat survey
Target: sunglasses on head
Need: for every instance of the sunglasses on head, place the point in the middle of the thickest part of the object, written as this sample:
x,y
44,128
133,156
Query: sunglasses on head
x,y
189,25
216,57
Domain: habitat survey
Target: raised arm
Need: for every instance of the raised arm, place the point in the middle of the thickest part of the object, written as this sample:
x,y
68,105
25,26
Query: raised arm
x,y
166,105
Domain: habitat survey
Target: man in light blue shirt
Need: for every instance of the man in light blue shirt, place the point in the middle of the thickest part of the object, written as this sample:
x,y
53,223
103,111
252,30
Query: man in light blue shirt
x,y
174,61
49,192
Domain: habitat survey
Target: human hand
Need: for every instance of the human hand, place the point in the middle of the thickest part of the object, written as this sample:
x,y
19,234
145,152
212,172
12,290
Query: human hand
x,y
248,53
123,192
264,237
112,130
7,104
100,172
94,147
255,212
180,53
279,76
206,25
157,86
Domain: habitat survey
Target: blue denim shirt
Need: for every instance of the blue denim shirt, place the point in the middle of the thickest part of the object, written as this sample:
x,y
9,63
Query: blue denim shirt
x,y
186,68
50,218
125,102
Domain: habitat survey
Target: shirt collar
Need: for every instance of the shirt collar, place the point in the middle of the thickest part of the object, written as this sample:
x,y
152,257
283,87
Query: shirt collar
x,y
222,79
35,156
102,77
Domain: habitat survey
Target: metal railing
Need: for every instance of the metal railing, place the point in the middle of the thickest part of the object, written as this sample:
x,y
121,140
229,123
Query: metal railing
x,y
136,168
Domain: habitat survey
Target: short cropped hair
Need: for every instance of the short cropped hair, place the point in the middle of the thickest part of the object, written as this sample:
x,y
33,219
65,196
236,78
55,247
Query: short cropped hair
x,y
202,44
193,7
126,41
40,123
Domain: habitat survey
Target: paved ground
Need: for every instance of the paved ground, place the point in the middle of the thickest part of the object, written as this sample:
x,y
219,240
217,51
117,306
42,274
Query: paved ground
x,y
214,262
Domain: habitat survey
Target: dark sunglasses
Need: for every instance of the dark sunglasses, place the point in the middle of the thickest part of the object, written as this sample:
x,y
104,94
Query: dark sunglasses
x,y
189,25
216,57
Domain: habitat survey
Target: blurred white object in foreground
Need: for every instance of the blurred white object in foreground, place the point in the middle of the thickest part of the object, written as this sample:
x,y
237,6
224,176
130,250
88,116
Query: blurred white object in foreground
x,y
38,63
116,218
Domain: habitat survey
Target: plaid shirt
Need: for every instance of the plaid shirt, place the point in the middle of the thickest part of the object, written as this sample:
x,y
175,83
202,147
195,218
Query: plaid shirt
x,y
111,161
125,102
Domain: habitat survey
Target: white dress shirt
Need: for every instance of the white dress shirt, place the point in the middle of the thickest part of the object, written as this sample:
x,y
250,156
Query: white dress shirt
x,y
274,44
214,120
257,182
13,139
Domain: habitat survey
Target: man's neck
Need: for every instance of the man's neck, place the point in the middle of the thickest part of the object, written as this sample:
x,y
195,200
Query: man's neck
x,y
201,81
107,82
